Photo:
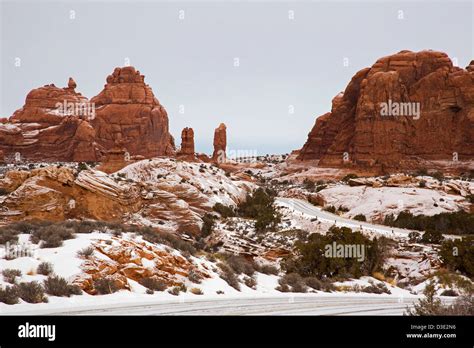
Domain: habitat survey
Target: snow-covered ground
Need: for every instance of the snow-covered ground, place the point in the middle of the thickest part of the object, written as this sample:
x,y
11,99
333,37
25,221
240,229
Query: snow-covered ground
x,y
263,299
377,202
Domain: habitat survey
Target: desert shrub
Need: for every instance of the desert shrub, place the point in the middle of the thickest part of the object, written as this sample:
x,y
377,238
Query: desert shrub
x,y
430,236
194,276
223,210
58,286
431,305
330,209
321,187
360,217
3,192
376,288
196,291
449,292
154,284
105,286
458,255
87,226
240,264
459,222
169,239
323,284
313,283
31,292
349,177
8,235
260,206
268,269
422,183
45,268
81,166
470,198
414,237
86,252
175,290
25,227
308,184
343,209
291,282
10,275
207,225
51,236
229,276
310,258
9,295
438,176
251,282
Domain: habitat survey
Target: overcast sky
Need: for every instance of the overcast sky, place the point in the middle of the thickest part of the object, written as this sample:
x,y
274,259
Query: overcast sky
x,y
290,56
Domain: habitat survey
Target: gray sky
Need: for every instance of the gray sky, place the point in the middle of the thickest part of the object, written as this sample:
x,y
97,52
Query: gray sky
x,y
283,62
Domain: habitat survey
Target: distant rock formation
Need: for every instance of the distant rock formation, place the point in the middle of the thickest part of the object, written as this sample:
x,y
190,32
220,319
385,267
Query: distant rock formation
x,y
406,110
220,144
187,144
71,83
59,124
114,160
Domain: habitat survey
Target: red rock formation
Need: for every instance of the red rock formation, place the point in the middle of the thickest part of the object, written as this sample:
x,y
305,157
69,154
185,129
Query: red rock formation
x,y
220,143
127,111
187,144
2,157
357,132
59,124
114,160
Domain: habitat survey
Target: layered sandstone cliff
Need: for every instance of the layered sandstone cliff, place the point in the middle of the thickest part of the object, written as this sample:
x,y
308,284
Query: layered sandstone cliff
x,y
407,110
59,124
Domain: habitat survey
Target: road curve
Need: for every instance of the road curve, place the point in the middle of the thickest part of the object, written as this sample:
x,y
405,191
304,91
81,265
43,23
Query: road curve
x,y
311,210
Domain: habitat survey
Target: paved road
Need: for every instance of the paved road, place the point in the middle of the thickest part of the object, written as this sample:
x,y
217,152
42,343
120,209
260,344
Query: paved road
x,y
298,305
311,210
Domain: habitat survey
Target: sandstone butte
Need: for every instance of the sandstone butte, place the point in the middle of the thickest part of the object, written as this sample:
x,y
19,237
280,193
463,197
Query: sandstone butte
x,y
59,124
356,134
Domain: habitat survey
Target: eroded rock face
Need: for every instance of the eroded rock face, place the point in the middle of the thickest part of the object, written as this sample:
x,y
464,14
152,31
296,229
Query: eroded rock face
x,y
359,132
122,260
220,143
59,124
187,144
166,194
43,130
128,112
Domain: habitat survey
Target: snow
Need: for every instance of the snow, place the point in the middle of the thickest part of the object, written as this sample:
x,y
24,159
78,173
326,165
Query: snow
x,y
377,202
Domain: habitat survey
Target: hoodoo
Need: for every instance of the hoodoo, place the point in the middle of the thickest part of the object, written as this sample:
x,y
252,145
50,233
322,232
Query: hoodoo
x,y
220,144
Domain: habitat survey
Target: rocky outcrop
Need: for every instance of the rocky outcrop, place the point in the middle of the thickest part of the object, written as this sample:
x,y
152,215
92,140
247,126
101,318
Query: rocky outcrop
x,y
122,260
406,110
127,111
59,124
168,195
187,144
114,160
220,144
